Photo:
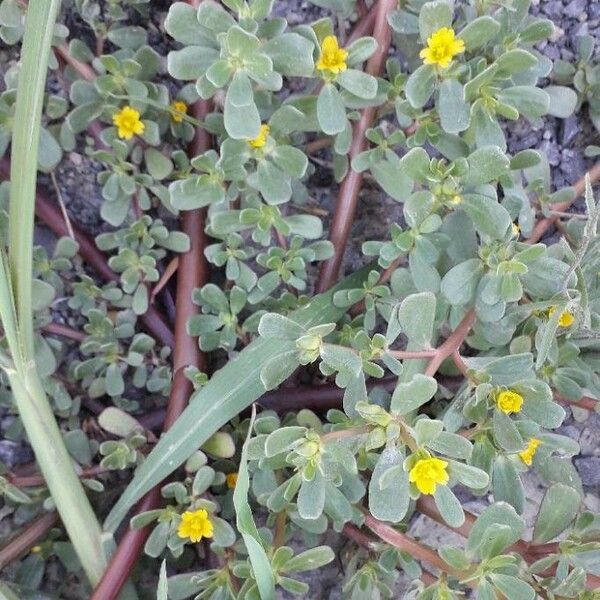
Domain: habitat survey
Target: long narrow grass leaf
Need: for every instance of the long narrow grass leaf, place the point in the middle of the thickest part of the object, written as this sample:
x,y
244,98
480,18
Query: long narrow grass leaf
x,y
247,527
34,409
8,314
35,53
232,389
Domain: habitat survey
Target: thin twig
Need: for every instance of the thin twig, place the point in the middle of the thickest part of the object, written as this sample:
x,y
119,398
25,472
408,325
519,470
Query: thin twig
x,y
165,278
63,208
64,331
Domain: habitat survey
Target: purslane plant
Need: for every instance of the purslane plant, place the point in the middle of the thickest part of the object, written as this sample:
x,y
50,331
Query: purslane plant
x,y
454,350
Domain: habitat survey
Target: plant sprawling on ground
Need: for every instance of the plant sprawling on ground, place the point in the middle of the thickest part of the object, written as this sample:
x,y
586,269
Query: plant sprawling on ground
x,y
215,367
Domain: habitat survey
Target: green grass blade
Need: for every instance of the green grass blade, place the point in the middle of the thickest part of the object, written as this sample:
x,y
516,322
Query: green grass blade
x,y
232,389
261,565
16,310
8,314
35,53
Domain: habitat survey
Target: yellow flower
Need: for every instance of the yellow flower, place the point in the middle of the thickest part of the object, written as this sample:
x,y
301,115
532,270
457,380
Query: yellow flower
x,y
333,58
427,473
178,106
36,550
261,139
509,402
516,230
442,47
566,319
456,199
231,480
527,455
127,121
195,525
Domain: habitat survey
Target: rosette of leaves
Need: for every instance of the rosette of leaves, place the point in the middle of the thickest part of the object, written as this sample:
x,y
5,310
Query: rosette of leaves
x,y
316,476
534,179
288,266
87,295
136,272
283,565
123,180
487,561
276,167
210,187
372,294
232,254
265,221
368,577
496,80
110,356
126,76
219,324
140,247
465,185
122,454
146,236
384,164
221,51
48,269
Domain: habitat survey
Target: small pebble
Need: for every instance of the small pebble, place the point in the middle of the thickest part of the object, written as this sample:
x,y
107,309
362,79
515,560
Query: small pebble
x,y
589,470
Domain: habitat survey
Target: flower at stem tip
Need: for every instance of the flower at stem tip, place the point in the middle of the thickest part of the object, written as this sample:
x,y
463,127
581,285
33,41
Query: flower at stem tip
x,y
442,47
527,455
428,473
195,525
261,139
333,58
128,123
177,107
566,319
231,480
509,402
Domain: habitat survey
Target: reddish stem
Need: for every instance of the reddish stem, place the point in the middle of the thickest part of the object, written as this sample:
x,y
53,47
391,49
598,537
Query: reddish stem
x,y
37,479
530,552
64,331
84,70
584,402
404,542
408,354
365,25
350,188
452,344
27,538
544,224
192,273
